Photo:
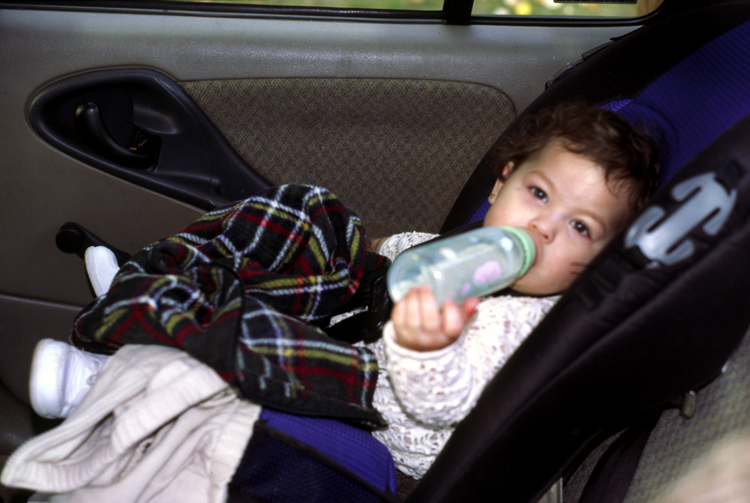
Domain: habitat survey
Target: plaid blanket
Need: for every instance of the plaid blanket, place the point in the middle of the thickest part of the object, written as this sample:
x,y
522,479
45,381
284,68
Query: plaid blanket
x,y
240,290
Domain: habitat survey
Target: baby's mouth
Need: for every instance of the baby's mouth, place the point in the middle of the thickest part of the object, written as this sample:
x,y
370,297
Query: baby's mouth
x,y
537,250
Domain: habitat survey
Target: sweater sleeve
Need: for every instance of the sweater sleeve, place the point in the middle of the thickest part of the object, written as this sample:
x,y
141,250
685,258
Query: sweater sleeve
x,y
397,243
441,387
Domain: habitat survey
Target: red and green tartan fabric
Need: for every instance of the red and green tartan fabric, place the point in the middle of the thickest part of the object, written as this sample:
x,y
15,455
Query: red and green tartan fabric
x,y
239,290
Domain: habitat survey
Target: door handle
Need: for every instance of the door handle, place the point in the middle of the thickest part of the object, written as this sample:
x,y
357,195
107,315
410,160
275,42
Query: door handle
x,y
139,125
90,125
74,238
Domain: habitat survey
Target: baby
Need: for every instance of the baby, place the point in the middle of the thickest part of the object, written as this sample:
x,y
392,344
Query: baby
x,y
571,177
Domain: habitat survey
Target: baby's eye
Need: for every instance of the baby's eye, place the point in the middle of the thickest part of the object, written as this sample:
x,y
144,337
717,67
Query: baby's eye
x,y
580,227
539,194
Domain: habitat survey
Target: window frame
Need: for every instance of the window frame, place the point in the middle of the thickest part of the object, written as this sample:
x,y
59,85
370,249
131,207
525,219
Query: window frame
x,y
454,12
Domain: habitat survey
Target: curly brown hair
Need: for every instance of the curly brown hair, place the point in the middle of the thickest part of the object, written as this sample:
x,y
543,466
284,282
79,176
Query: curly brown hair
x,y
628,155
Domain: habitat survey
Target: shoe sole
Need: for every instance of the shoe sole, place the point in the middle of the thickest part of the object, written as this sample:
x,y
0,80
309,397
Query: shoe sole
x,y
47,359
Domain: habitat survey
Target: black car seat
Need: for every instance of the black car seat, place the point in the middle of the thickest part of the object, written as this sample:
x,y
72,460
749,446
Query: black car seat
x,y
659,312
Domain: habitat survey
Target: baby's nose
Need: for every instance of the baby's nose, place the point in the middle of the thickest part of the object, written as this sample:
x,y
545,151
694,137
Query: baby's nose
x,y
543,227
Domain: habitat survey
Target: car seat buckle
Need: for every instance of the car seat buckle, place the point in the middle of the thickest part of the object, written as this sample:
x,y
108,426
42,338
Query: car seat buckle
x,y
703,202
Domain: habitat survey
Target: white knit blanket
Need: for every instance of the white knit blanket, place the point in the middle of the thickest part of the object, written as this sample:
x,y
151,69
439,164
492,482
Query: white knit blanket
x,y
156,426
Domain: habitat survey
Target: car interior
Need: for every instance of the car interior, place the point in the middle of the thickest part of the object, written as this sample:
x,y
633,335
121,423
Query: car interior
x,y
131,119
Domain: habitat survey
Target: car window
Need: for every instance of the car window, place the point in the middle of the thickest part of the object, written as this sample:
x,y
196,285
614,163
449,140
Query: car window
x,y
557,8
620,9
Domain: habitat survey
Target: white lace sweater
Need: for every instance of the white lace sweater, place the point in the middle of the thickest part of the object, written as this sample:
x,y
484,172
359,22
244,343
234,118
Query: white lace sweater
x,y
422,395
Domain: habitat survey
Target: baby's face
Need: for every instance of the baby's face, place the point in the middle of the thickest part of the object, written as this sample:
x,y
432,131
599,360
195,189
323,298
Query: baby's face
x,y
565,204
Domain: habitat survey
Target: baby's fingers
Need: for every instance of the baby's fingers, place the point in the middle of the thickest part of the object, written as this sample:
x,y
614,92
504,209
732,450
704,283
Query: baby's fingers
x,y
469,306
413,310
429,311
455,317
453,320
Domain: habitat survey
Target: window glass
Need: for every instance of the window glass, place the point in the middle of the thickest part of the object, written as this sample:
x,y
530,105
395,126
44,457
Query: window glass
x,y
623,9
626,8
426,5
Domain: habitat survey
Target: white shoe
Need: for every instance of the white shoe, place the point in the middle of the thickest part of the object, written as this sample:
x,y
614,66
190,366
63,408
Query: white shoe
x,y
61,376
101,266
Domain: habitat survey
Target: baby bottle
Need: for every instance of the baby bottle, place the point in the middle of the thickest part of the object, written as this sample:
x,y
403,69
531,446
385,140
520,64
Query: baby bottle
x,y
474,263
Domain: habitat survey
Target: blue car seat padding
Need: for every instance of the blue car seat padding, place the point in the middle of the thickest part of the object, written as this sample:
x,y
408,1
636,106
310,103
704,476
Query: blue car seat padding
x,y
687,79
293,458
697,100
343,443
691,104
641,327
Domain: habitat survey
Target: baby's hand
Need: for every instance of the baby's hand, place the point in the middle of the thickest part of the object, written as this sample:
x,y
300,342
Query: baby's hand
x,y
421,325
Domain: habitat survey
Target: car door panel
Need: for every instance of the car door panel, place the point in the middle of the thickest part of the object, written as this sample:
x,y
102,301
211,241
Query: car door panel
x,y
374,142
50,45
457,86
140,126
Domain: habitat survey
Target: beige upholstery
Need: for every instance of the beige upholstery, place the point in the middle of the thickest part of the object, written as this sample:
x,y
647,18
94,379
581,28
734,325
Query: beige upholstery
x,y
723,409
412,143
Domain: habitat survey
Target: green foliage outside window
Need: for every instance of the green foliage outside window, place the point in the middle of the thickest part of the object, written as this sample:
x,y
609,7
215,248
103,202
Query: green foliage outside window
x,y
552,8
481,7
